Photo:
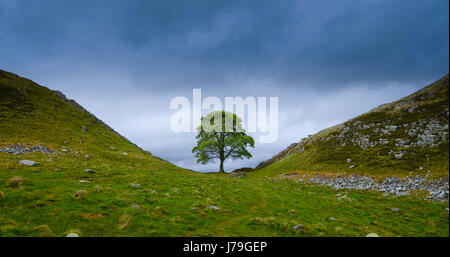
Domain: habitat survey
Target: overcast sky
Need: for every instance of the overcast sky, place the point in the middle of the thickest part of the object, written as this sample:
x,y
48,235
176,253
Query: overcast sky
x,y
326,61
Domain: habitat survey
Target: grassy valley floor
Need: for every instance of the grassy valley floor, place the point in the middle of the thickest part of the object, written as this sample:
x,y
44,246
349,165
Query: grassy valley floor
x,y
125,198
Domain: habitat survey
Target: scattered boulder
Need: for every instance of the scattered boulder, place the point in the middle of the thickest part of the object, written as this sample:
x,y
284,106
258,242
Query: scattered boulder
x,y
398,155
240,174
395,209
298,227
90,171
214,207
372,235
22,149
72,235
28,163
136,184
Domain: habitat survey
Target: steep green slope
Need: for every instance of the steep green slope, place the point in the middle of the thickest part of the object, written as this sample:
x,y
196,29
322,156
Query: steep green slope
x,y
81,185
34,115
407,136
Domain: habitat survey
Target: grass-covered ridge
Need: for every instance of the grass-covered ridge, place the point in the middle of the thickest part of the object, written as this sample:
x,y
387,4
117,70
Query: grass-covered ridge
x,y
409,136
94,190
32,114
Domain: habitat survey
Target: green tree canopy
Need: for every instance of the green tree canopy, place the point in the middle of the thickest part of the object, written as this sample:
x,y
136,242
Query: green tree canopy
x,y
221,136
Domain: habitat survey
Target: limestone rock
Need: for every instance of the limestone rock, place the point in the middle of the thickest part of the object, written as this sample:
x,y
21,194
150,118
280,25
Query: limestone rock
x,y
28,163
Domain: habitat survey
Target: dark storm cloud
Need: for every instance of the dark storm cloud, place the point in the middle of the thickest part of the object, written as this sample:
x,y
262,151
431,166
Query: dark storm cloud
x,y
311,41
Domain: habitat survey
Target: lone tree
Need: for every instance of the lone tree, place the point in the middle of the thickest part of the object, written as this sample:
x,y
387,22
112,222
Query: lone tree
x,y
221,136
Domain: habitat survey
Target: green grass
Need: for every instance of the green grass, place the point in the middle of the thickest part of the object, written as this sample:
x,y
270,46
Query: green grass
x,y
172,201
431,102
44,205
367,161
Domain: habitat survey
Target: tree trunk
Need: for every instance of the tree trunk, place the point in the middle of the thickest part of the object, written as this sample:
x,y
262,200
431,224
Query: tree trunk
x,y
221,166
222,153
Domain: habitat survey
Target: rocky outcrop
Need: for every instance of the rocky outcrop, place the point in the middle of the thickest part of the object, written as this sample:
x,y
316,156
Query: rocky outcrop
x,y
436,189
418,121
23,149
423,133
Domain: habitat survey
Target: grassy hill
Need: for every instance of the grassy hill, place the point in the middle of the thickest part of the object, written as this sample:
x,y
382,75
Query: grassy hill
x,y
408,136
93,182
34,115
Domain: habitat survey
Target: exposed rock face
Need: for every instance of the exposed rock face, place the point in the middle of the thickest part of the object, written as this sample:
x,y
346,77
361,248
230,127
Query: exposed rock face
x,y
438,189
23,149
423,133
410,126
